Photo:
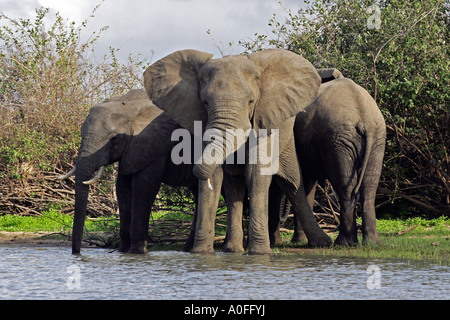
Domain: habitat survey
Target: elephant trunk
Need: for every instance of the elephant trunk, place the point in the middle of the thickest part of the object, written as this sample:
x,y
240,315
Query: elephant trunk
x,y
224,126
85,170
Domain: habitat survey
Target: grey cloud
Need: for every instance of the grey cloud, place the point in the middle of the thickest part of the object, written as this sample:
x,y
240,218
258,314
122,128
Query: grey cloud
x,y
140,26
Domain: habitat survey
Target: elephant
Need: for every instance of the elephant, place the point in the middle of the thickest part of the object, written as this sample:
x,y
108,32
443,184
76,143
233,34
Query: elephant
x,y
251,96
130,130
340,137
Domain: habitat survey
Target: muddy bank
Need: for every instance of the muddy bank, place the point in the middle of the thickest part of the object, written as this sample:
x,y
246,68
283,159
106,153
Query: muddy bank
x,y
34,238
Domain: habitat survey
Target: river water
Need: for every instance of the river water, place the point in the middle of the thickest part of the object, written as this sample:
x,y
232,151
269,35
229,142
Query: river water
x,y
54,273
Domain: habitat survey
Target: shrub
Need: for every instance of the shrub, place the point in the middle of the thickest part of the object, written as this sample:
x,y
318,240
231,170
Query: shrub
x,y
49,79
398,50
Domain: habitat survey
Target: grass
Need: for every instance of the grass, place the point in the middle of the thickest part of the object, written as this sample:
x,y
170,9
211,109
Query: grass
x,y
430,240
52,221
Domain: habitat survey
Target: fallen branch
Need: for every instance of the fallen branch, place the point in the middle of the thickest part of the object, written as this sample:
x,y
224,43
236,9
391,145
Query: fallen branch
x,y
407,197
399,233
406,230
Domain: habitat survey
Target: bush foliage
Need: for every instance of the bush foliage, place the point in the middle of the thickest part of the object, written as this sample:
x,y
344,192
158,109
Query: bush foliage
x,y
49,79
398,50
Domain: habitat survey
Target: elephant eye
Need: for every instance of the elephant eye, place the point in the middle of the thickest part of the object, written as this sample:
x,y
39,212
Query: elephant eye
x,y
251,101
205,103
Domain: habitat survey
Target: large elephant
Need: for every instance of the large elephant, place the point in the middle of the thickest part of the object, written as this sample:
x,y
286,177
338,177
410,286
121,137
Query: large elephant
x,y
341,137
246,94
131,130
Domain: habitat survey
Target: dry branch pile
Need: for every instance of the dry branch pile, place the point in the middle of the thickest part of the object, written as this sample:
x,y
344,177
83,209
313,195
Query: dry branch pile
x,y
34,194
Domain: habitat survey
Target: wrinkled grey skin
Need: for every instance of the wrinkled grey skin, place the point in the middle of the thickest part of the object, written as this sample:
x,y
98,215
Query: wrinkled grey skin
x,y
131,130
341,137
264,90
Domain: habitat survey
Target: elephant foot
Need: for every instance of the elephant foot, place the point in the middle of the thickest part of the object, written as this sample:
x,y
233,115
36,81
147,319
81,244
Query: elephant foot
x,y
123,248
259,250
188,245
137,251
233,248
346,240
299,237
275,239
124,244
320,241
203,249
139,247
371,239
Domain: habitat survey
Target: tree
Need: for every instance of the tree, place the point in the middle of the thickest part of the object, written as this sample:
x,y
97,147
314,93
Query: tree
x,y
49,79
398,51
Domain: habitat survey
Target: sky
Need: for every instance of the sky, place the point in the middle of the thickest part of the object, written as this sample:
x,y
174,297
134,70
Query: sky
x,y
164,26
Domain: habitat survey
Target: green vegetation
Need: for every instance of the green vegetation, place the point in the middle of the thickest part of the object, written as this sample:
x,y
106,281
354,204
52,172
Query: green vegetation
x,y
52,221
398,50
439,226
413,238
49,79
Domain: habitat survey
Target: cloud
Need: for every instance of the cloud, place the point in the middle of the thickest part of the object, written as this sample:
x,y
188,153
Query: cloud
x,y
16,9
166,26
143,26
73,10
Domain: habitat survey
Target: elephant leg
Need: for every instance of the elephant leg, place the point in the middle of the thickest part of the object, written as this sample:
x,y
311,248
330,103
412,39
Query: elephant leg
x,y
310,190
369,222
145,187
258,228
190,240
277,203
124,199
299,233
315,235
206,213
343,177
347,227
368,192
234,191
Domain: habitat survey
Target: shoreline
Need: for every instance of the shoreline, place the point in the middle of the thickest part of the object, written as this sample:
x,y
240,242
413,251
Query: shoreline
x,y
33,239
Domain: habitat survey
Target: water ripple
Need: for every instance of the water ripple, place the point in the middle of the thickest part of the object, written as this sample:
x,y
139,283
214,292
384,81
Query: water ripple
x,y
42,273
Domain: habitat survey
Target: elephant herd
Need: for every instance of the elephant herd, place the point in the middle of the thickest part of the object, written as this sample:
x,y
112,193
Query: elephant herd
x,y
317,125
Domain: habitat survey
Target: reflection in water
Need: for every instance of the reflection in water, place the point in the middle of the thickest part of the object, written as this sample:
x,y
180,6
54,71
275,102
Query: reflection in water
x,y
53,273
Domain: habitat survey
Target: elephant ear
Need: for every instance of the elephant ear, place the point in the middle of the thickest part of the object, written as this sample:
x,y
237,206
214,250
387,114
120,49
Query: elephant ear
x,y
132,95
152,130
172,84
329,74
288,83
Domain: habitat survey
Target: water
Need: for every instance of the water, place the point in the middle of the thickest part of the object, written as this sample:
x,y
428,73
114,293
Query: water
x,y
54,273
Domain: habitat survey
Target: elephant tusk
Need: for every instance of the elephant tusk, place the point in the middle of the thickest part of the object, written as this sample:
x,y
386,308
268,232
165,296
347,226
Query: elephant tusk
x,y
68,174
96,177
208,181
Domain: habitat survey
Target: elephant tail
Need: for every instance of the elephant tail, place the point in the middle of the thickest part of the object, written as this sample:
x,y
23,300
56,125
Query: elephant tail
x,y
285,209
366,156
